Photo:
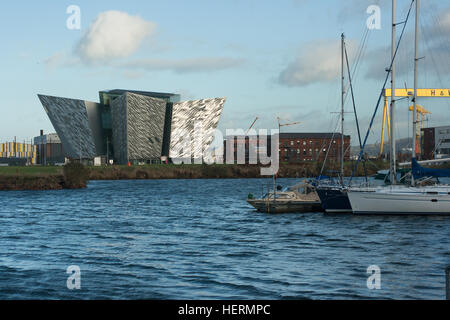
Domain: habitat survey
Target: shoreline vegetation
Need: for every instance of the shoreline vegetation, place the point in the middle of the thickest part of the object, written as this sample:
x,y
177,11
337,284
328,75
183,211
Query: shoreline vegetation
x,y
76,176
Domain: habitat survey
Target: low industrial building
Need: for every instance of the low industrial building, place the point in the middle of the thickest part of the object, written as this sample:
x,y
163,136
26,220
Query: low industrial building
x,y
129,126
49,149
17,154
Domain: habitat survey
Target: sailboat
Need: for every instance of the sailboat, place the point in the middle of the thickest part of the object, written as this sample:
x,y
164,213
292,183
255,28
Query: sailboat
x,y
333,196
402,199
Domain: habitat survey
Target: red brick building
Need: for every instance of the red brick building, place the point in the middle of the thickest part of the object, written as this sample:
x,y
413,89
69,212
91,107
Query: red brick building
x,y
296,147
293,147
256,145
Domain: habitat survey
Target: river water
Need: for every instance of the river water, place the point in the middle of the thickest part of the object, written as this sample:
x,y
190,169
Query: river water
x,y
199,239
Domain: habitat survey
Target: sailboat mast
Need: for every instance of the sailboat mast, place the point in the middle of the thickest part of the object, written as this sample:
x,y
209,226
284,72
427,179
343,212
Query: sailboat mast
x,y
393,169
416,60
342,108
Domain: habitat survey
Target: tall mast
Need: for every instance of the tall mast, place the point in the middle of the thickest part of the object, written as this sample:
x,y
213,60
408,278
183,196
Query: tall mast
x,y
393,175
416,60
342,107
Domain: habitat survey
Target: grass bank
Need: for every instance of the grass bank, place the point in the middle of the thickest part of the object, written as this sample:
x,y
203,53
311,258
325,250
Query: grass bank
x,y
72,176
75,176
216,171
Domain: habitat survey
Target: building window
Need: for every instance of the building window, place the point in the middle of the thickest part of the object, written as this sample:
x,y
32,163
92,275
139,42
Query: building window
x,y
292,143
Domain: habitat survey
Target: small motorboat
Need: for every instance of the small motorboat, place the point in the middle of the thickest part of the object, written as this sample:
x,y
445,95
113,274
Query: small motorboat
x,y
301,197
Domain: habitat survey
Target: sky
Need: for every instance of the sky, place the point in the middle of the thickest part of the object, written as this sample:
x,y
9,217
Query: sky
x,y
268,58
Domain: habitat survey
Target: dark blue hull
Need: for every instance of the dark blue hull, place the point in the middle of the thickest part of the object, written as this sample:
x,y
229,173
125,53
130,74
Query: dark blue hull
x,y
334,200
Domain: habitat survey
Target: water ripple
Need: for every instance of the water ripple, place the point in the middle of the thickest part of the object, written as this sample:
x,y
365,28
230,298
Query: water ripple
x,y
198,239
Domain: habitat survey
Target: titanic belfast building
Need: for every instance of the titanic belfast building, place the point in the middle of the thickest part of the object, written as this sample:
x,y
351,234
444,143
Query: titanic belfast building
x,y
132,126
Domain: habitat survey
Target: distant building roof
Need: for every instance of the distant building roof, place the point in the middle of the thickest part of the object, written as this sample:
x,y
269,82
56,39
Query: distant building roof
x,y
172,97
47,138
310,135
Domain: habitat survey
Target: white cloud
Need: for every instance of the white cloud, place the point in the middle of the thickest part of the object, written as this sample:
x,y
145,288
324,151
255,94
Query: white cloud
x,y
184,65
113,34
60,59
318,61
54,60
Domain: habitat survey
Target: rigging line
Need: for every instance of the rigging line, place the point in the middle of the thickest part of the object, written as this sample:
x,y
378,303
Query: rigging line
x,y
329,146
441,30
433,60
382,90
359,55
442,36
324,143
363,53
354,106
362,49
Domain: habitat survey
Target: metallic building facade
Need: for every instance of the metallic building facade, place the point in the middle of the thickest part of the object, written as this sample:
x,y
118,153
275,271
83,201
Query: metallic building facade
x,y
193,127
78,132
138,127
134,126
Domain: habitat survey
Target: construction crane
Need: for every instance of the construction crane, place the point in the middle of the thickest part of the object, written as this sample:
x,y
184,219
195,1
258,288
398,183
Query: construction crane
x,y
421,112
285,124
253,123
421,116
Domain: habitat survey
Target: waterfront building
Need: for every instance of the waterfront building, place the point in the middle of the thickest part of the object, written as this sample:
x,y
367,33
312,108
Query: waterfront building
x,y
16,153
254,147
293,147
435,143
130,126
297,147
49,149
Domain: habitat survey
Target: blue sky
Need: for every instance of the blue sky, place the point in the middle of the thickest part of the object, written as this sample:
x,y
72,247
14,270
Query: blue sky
x,y
269,58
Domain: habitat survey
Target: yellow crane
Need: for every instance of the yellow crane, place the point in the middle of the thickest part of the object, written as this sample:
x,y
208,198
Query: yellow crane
x,y
421,111
421,117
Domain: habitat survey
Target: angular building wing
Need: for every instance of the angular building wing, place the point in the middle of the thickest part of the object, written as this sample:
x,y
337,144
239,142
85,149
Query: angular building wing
x,y
77,124
138,127
193,127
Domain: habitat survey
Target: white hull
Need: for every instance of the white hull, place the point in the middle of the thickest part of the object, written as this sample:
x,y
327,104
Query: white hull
x,y
400,200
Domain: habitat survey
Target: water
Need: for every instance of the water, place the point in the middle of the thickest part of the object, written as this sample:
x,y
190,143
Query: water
x,y
198,239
